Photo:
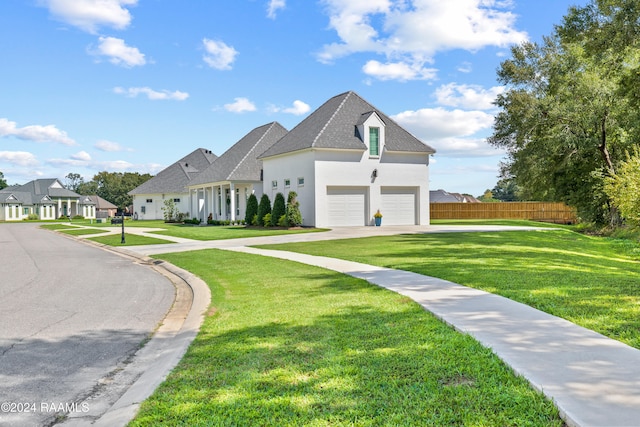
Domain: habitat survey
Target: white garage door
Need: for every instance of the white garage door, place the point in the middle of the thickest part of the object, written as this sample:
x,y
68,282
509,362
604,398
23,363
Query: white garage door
x,y
398,206
346,206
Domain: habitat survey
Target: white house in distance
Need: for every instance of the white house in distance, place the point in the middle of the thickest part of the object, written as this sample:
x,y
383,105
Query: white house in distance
x,y
46,198
346,161
170,183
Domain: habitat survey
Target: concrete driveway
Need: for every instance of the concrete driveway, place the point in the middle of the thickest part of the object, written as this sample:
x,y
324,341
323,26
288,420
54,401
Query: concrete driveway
x,y
71,315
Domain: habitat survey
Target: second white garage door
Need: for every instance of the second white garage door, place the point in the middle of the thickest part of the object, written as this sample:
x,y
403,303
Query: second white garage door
x,y
398,205
346,206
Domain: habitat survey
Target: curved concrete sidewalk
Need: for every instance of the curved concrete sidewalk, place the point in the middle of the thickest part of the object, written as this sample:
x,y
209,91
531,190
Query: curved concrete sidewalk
x,y
593,380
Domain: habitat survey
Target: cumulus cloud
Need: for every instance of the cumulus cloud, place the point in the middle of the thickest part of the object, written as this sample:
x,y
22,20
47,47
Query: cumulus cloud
x,y
274,6
36,133
151,94
119,53
240,105
468,96
110,146
82,159
413,32
299,108
398,71
89,15
218,54
18,158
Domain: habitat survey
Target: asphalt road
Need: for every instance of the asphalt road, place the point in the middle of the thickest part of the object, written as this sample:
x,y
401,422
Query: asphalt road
x,y
70,316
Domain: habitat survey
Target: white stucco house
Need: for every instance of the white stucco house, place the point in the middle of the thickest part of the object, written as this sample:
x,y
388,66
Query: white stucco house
x,y
170,183
346,161
46,198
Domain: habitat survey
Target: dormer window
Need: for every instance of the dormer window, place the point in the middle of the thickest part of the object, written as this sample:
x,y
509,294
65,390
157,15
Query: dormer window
x,y
374,141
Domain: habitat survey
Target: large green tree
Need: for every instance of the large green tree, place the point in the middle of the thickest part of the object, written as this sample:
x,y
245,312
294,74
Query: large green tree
x,y
566,118
3,182
113,186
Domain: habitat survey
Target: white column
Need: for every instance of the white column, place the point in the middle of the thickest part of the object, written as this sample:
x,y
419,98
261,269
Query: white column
x,y
223,204
232,194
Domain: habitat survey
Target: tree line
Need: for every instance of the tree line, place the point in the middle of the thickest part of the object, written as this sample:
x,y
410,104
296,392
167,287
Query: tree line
x,y
111,186
569,118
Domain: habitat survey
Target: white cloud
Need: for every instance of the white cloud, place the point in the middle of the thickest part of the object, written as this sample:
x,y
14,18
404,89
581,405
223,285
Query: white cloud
x,y
153,95
398,71
413,32
19,158
464,147
274,6
219,55
299,108
36,133
89,15
437,123
109,146
119,53
84,160
468,96
81,155
241,105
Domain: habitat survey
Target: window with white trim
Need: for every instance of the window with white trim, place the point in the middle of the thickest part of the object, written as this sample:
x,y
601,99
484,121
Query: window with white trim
x,y
374,141
274,184
287,183
300,181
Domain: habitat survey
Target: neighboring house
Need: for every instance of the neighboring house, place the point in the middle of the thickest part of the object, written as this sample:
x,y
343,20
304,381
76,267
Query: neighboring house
x,y
104,208
348,160
170,183
441,196
223,188
46,198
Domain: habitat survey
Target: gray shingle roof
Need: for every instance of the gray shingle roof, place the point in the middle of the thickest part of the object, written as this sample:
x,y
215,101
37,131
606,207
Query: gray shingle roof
x,y
333,125
240,162
35,191
102,203
175,178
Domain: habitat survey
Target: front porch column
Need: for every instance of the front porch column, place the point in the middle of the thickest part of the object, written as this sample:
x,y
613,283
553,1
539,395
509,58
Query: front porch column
x,y
59,214
232,198
223,204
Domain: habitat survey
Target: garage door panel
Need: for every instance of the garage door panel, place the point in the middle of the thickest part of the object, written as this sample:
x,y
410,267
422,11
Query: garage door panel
x,y
399,206
346,206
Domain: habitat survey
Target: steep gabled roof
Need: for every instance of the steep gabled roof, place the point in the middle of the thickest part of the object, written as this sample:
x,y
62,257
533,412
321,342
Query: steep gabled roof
x,y
37,190
333,125
102,203
240,162
175,178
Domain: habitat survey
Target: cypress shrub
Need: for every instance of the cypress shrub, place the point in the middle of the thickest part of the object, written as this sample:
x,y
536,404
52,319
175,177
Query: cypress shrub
x,y
279,209
263,208
252,209
294,217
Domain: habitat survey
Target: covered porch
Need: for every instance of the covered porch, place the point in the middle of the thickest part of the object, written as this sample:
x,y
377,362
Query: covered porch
x,y
223,201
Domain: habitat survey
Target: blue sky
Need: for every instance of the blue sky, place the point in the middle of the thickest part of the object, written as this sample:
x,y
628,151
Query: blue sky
x,y
134,85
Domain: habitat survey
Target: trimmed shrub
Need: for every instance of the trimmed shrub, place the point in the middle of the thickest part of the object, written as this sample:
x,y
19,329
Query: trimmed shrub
x,y
254,220
33,217
263,208
282,222
252,208
279,209
267,220
294,217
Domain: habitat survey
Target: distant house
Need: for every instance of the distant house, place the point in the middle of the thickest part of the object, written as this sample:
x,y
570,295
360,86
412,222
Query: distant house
x,y
170,183
104,208
348,160
223,188
46,198
441,196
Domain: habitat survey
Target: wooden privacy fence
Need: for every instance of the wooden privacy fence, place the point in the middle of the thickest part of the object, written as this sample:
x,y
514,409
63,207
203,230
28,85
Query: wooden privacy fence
x,y
536,211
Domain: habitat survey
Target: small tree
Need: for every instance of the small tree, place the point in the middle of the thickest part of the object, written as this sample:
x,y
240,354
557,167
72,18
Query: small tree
x,y
294,217
170,210
263,208
623,188
252,209
279,209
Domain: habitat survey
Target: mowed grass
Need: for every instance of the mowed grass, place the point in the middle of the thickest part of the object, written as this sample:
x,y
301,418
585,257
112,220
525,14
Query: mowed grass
x,y
591,281
286,344
227,232
130,240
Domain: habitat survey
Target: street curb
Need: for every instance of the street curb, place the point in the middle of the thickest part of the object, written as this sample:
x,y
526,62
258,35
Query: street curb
x,y
166,347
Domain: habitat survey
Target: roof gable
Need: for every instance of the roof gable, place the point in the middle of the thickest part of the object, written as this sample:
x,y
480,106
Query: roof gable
x,y
334,125
176,177
240,162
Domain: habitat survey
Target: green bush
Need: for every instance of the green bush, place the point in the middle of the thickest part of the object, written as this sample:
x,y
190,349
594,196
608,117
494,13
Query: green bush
x,y
267,220
33,217
282,222
263,208
254,220
78,217
279,209
294,217
252,208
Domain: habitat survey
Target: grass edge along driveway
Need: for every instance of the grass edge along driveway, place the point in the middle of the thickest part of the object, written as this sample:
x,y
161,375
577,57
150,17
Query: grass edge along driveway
x,y
290,344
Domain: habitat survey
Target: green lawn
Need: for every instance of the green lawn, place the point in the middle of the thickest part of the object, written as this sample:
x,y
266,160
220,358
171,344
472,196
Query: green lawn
x,y
286,344
81,231
130,240
591,281
227,232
